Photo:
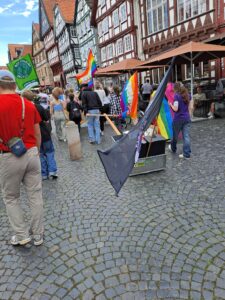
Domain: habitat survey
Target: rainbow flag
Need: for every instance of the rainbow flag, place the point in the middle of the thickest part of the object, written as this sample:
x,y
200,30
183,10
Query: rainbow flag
x,y
164,120
129,97
86,77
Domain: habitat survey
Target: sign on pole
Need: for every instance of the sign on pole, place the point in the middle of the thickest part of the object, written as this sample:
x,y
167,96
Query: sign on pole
x,y
24,72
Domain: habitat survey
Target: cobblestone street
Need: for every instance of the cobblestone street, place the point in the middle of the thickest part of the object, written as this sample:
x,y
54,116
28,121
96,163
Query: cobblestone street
x,y
162,238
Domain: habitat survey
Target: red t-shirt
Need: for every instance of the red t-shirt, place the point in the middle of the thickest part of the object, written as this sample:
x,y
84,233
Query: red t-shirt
x,y
11,120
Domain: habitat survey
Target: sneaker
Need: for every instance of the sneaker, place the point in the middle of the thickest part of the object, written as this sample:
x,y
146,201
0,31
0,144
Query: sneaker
x,y
170,149
102,133
92,142
211,117
38,239
65,140
182,156
16,242
53,176
209,114
44,177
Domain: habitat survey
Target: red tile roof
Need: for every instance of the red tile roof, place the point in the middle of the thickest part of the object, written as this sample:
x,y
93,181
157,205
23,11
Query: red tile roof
x,y
124,65
3,68
67,9
49,5
26,49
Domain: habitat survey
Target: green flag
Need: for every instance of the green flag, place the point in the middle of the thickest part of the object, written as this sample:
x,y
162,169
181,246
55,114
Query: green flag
x,y
24,72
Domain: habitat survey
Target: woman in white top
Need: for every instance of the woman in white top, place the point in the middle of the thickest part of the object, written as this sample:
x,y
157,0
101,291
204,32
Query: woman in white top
x,y
105,103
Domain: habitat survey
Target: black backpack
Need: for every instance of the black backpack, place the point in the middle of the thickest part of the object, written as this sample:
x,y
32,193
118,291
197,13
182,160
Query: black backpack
x,y
74,114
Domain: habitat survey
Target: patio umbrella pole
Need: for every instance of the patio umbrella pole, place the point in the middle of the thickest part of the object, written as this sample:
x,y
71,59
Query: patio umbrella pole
x,y
176,73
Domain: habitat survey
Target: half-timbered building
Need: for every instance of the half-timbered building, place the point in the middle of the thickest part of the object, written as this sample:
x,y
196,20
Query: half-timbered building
x,y
47,35
41,64
166,24
66,36
114,20
87,35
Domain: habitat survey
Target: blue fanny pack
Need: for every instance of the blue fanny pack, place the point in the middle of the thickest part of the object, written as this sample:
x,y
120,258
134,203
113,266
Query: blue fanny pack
x,y
16,146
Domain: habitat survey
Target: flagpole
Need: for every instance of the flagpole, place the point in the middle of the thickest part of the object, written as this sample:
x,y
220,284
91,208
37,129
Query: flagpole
x,y
150,142
112,124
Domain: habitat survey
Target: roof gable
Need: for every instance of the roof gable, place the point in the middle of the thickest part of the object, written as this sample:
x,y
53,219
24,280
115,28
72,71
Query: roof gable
x,y
48,7
15,49
44,21
67,10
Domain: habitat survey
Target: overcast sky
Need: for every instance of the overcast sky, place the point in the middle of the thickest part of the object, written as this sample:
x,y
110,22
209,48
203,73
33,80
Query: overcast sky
x,y
16,17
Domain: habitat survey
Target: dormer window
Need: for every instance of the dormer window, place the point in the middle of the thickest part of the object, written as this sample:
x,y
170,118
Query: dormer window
x,y
19,52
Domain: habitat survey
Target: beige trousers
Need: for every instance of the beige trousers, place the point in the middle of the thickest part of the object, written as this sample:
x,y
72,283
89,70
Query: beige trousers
x,y
13,172
60,120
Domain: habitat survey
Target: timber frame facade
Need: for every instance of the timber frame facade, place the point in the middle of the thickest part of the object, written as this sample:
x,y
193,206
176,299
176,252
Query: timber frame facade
x,y
47,35
66,37
167,24
114,20
87,35
43,69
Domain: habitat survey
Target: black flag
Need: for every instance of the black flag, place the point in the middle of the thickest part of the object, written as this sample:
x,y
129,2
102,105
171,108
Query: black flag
x,y
118,161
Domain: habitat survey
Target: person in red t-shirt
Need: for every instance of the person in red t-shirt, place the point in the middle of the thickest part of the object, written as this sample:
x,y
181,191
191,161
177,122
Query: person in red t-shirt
x,y
25,169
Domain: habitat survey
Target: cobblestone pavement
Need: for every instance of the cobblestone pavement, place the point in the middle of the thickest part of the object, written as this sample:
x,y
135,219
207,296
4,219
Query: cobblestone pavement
x,y
163,238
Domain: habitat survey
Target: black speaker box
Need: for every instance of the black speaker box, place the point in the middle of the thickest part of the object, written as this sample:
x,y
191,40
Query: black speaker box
x,y
157,147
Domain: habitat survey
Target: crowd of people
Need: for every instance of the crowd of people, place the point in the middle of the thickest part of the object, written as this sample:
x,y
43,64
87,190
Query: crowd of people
x,y
21,115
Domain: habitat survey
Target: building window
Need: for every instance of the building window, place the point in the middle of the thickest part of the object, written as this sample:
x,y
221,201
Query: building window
x,y
109,51
190,8
119,47
102,3
88,24
100,29
127,43
157,12
76,52
116,21
103,54
105,25
123,13
73,31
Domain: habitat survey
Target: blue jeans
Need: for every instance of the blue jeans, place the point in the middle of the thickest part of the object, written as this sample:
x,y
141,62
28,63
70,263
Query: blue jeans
x,y
183,126
94,126
47,156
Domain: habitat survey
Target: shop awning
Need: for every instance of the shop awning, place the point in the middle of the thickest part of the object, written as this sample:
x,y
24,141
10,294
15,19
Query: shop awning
x,y
217,39
192,51
189,53
105,74
124,66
